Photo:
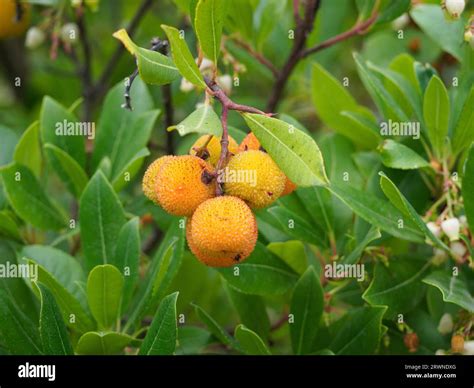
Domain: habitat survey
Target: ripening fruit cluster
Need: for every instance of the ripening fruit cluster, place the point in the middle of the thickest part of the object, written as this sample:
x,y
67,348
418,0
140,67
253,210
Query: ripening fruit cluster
x,y
13,20
221,230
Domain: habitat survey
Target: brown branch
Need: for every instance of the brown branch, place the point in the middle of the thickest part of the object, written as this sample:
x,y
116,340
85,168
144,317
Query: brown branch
x,y
258,56
296,11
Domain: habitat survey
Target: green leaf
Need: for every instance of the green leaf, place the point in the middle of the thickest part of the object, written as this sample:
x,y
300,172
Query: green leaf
x,y
306,307
18,334
104,294
132,167
468,188
127,257
183,58
72,311
295,152
453,288
397,286
203,120
121,133
463,133
154,67
28,149
191,340
363,128
208,22
103,343
265,15
358,332
401,203
74,175
378,212
261,274
28,199
354,256
391,9
8,226
399,156
240,18
217,330
102,217
292,253
56,123
7,146
250,342
53,332
446,34
436,113
404,64
162,334
251,310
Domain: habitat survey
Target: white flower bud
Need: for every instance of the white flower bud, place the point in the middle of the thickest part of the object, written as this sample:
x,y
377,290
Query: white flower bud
x,y
458,249
70,32
401,22
451,227
446,324
435,229
468,348
440,352
225,82
206,64
455,7
34,38
463,221
186,86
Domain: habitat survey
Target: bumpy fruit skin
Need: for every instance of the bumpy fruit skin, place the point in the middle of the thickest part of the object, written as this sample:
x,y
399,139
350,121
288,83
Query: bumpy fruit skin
x,y
250,143
150,182
183,183
213,148
269,179
222,232
9,26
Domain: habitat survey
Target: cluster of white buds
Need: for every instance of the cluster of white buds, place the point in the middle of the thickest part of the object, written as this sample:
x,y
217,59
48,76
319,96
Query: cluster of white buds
x,y
446,324
451,228
454,8
35,37
207,67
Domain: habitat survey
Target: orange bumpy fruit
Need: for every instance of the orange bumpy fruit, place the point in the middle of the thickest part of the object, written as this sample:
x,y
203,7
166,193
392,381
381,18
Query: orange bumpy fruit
x,y
213,148
222,232
9,25
254,177
183,183
150,178
251,142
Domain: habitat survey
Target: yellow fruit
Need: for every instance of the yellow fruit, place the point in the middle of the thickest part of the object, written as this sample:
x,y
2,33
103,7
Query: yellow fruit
x,y
150,178
183,183
254,177
9,25
222,232
213,148
251,142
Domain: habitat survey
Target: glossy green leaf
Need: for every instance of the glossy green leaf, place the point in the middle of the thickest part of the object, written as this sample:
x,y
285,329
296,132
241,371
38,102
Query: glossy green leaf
x,y
306,308
53,332
468,188
154,67
358,332
9,227
28,199
397,286
103,343
7,146
250,342
363,129
182,57
18,334
203,120
124,177
292,253
436,113
453,288
73,173
101,216
261,274
28,149
104,294
463,133
295,152
208,23
162,334
404,64
399,156
354,256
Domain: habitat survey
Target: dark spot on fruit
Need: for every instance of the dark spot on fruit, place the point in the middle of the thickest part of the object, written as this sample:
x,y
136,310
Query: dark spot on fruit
x,y
237,257
206,177
269,193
